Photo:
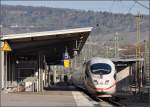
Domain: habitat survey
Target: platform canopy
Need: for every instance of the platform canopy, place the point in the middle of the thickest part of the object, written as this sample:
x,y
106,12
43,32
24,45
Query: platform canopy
x,y
122,62
52,43
127,60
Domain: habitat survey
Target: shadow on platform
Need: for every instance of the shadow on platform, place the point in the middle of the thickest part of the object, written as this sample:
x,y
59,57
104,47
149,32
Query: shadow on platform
x,y
61,86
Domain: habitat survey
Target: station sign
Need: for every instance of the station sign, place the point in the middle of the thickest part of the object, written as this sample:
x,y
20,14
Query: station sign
x,y
66,55
66,63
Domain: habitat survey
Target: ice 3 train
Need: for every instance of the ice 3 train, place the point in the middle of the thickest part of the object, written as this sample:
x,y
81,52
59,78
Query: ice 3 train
x,y
97,77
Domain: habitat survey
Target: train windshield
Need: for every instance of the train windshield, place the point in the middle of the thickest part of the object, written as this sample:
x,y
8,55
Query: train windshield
x,y
100,68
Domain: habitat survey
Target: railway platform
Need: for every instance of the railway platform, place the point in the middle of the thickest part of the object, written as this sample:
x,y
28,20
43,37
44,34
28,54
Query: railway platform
x,y
65,97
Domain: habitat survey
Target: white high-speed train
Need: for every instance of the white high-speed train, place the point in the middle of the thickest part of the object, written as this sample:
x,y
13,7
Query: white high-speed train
x,y
97,77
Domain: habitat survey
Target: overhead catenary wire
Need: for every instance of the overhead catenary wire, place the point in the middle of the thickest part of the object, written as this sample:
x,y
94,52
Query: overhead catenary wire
x,y
130,8
141,4
119,6
111,6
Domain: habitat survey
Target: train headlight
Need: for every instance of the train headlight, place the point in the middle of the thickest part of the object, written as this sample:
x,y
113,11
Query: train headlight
x,y
106,82
95,82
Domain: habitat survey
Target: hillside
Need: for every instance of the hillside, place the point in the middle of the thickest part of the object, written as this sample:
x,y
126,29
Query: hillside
x,y
19,19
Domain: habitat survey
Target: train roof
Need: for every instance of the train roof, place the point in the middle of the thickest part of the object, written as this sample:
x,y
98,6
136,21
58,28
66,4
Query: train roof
x,y
100,60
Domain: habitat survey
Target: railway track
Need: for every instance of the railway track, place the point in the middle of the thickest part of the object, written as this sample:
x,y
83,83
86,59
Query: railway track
x,y
104,102
111,101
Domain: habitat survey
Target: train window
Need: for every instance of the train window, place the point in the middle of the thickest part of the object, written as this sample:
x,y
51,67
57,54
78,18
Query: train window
x,y
100,68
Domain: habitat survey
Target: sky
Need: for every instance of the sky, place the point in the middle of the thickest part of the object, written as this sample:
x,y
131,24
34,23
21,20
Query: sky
x,y
114,6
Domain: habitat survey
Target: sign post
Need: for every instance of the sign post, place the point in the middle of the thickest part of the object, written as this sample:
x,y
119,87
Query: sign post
x,y
1,67
5,48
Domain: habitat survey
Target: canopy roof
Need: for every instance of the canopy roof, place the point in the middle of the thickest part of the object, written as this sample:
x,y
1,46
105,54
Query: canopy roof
x,y
50,34
51,43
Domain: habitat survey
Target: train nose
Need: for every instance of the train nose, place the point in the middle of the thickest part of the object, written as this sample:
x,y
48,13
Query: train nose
x,y
95,82
107,89
106,82
102,85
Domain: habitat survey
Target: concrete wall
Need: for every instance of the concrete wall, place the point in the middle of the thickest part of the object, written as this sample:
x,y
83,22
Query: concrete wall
x,y
122,78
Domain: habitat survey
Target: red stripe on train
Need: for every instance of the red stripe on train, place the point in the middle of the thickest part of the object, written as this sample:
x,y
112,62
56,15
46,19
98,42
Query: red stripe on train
x,y
105,88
